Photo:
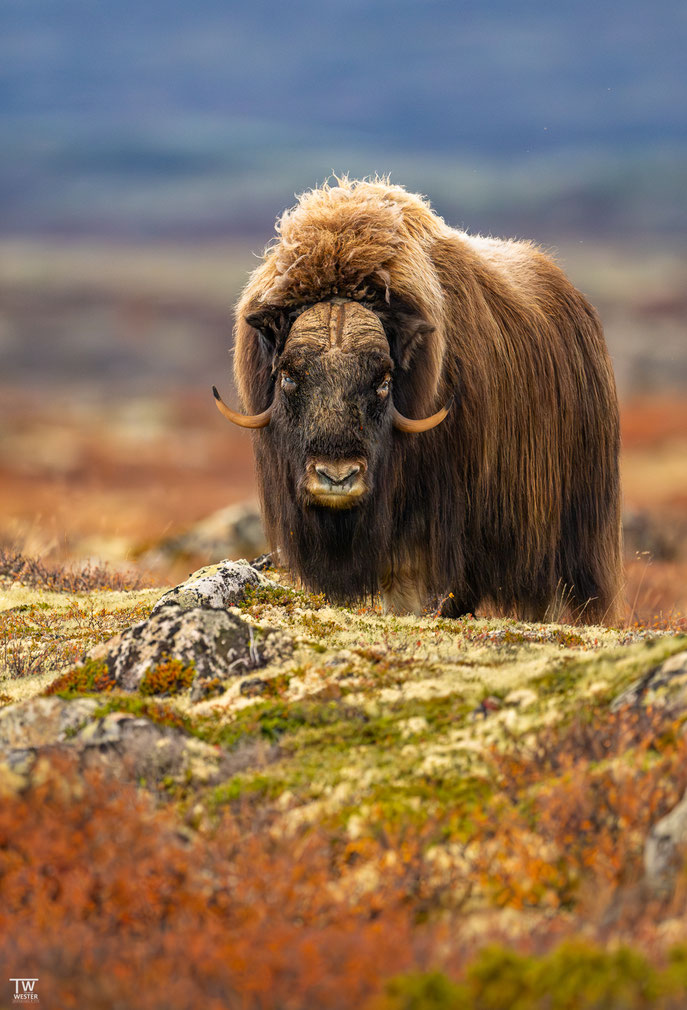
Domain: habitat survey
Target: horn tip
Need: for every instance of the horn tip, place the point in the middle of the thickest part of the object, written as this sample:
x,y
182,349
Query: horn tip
x,y
215,393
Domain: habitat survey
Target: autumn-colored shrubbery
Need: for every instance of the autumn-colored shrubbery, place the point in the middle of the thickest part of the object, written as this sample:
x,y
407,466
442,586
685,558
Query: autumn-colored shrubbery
x,y
579,803
111,903
169,677
106,903
91,676
67,579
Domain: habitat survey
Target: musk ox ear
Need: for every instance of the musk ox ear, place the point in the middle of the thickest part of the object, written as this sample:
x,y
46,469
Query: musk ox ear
x,y
417,348
407,332
414,332
272,323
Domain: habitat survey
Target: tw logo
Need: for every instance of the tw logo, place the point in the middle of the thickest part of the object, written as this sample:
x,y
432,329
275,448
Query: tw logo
x,y
23,990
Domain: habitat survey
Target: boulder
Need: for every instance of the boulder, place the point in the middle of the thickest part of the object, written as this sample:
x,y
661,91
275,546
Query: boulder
x,y
234,531
664,684
131,747
664,843
222,585
214,645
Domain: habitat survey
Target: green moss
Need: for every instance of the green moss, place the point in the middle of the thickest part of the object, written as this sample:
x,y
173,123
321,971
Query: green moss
x,y
256,598
28,608
452,801
269,720
575,976
318,628
157,711
242,787
618,666
441,713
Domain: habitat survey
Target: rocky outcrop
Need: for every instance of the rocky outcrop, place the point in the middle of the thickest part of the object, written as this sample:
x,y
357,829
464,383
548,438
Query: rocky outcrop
x,y
133,748
232,532
193,626
222,585
665,684
666,841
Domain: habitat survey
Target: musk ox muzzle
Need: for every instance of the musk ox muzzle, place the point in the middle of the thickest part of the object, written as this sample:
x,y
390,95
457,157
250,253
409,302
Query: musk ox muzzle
x,y
335,483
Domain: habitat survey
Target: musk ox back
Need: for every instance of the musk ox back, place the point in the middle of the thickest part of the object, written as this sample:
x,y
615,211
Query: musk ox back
x,y
435,413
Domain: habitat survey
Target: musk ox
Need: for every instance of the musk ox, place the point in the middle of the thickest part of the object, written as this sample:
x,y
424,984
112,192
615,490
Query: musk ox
x,y
435,412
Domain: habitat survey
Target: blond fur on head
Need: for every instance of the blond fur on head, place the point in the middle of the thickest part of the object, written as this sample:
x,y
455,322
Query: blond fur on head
x,y
356,239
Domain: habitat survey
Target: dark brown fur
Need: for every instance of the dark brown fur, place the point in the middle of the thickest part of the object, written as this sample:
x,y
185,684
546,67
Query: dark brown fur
x,y
514,498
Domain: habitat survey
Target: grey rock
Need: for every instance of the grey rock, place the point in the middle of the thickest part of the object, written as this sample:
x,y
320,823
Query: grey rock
x,y
265,561
130,747
666,838
221,585
217,643
665,684
232,532
43,720
253,686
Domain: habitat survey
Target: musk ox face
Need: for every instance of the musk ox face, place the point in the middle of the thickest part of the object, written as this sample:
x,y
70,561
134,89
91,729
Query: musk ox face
x,y
325,457
331,411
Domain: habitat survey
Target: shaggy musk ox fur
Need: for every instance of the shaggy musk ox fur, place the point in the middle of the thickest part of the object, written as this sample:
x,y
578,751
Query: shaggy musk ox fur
x,y
368,307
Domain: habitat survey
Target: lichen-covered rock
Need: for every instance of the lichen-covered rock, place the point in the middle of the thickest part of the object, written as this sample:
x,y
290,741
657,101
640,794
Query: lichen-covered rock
x,y
221,585
215,644
131,747
664,843
230,532
664,684
43,721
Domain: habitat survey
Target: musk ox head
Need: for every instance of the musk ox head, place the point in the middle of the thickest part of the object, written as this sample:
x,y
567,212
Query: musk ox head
x,y
332,410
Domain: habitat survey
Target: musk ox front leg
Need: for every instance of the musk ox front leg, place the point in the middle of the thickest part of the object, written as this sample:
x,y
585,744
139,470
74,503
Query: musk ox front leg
x,y
403,589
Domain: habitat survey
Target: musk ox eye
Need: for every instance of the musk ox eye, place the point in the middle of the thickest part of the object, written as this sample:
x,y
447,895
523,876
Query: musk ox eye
x,y
383,390
287,382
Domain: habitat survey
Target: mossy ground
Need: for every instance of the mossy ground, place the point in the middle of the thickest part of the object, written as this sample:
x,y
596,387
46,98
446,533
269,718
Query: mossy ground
x,y
478,758
43,632
373,717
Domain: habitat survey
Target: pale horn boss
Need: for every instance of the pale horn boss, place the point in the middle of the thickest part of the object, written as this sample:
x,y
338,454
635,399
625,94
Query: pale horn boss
x,y
352,336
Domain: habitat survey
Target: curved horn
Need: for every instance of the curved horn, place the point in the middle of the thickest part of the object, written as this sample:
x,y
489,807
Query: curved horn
x,y
243,420
407,424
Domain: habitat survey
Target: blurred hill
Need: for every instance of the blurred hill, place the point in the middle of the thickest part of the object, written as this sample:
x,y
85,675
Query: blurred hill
x,y
167,118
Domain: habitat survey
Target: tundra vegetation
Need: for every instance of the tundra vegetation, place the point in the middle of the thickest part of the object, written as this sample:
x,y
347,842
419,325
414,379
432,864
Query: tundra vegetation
x,y
396,812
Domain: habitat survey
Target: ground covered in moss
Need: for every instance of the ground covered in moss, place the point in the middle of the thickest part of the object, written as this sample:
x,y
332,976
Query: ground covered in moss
x,y
382,812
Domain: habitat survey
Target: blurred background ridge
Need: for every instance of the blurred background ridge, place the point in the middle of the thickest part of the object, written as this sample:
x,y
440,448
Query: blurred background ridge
x,y
174,118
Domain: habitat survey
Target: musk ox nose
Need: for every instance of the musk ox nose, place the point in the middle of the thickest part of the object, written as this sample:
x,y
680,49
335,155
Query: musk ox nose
x,y
337,474
337,484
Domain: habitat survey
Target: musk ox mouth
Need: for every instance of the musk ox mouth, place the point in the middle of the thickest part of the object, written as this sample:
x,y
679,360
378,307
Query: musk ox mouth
x,y
340,484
